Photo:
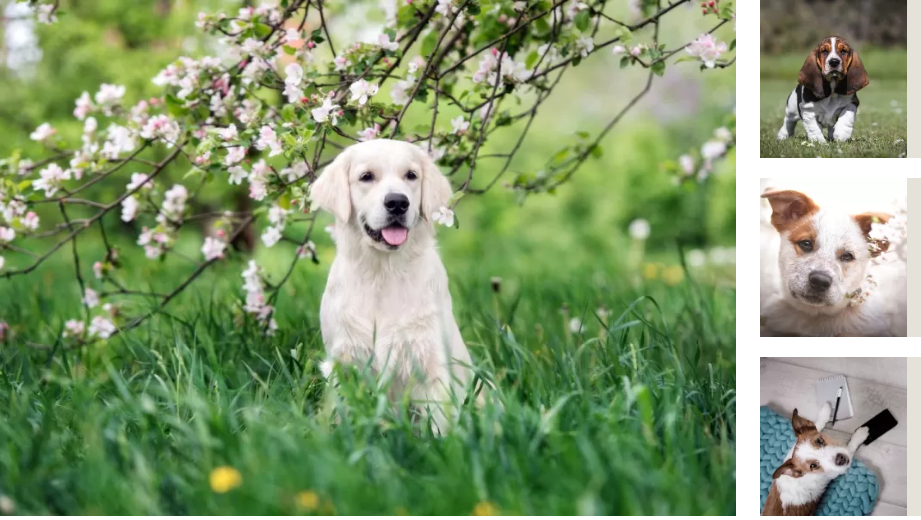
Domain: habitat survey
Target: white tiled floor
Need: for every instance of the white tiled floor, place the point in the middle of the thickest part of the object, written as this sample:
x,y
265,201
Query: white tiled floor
x,y
875,384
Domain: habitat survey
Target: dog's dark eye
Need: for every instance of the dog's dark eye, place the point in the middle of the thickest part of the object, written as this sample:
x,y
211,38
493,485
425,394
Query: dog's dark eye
x,y
411,175
820,441
366,177
805,245
824,51
847,257
813,466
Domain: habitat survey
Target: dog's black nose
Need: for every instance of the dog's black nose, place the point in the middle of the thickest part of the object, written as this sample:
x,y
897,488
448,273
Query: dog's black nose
x,y
819,280
834,62
396,203
841,459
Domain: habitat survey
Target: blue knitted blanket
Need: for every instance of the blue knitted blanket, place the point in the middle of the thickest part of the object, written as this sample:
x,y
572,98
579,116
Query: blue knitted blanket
x,y
852,494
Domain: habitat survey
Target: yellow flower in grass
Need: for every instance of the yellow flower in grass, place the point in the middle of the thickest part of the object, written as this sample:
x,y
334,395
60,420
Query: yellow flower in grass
x,y
224,479
485,509
308,500
650,271
673,275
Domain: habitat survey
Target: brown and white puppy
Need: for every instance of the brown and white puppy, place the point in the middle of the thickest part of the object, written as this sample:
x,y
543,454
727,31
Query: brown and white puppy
x,y
813,462
817,285
827,92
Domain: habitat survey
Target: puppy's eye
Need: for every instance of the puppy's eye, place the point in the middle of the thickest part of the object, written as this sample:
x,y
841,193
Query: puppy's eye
x,y
411,175
805,245
366,177
813,466
824,51
847,257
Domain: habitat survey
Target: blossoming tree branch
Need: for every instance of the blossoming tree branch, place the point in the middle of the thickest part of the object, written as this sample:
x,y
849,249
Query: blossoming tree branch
x,y
219,119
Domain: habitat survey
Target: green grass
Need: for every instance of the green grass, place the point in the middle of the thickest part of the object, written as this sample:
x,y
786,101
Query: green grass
x,y
882,119
640,422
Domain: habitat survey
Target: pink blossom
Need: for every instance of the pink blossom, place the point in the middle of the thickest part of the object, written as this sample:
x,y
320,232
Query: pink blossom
x,y
707,49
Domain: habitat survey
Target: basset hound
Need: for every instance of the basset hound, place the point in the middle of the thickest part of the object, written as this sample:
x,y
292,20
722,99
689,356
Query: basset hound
x,y
827,92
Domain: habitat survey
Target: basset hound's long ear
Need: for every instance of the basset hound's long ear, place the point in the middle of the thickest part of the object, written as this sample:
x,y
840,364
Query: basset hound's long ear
x,y
856,75
810,76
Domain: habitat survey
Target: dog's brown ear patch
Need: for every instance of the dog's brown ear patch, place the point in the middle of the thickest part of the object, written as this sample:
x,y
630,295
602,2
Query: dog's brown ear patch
x,y
801,425
789,207
856,75
811,76
866,221
789,469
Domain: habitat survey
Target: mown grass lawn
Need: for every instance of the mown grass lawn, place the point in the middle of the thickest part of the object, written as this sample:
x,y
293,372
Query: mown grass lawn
x,y
197,413
882,119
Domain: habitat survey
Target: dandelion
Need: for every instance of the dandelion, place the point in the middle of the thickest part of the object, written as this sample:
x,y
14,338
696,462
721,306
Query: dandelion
x,y
224,479
650,271
485,509
673,275
639,229
308,500
576,326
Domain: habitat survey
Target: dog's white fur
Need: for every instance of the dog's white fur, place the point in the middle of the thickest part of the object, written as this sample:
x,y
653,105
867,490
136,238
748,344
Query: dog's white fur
x,y
784,283
389,308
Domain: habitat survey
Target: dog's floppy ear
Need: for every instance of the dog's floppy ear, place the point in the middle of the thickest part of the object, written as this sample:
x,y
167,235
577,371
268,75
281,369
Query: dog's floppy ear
x,y
811,76
789,469
436,189
801,424
856,75
331,189
789,207
866,221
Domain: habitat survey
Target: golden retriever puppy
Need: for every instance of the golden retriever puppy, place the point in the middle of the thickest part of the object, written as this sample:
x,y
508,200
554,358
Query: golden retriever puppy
x,y
386,305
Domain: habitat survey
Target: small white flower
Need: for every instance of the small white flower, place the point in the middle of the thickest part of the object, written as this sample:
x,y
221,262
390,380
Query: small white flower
x,y
101,327
237,175
269,139
74,328
271,236
139,180
723,134
235,155
213,248
370,133
575,326
83,107
687,164
277,215
44,131
51,178
129,209
7,234
44,13
713,149
444,216
384,41
400,91
229,133
292,35
639,229
362,90
90,298
460,125
585,45
618,50
696,258
30,221
2,261
707,49
325,112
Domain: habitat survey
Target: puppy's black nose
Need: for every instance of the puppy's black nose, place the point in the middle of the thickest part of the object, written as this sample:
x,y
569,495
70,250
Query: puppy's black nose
x,y
819,280
834,62
396,203
841,459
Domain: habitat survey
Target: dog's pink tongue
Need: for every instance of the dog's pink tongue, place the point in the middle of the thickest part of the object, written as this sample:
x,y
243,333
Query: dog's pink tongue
x,y
394,236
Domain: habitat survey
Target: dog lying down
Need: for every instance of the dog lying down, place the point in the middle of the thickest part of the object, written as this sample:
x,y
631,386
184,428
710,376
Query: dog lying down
x,y
810,466
819,276
386,305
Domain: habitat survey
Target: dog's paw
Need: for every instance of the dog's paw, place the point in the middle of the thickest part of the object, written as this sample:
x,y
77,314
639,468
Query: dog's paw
x,y
860,436
823,416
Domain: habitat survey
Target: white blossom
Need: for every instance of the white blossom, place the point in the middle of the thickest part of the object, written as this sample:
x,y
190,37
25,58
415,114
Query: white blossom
x,y
74,328
271,236
213,248
90,298
101,327
444,216
325,112
362,90
707,49
639,229
44,131
130,209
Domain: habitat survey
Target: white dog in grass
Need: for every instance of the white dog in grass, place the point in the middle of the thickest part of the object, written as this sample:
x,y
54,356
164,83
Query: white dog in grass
x,y
386,304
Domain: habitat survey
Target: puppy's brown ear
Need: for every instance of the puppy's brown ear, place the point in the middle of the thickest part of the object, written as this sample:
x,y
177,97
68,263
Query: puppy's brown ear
x,y
801,425
866,221
436,189
810,76
789,207
856,75
787,468
331,190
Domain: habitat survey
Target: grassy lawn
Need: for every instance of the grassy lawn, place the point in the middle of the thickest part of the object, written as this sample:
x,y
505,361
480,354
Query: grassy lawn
x,y
635,417
882,119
